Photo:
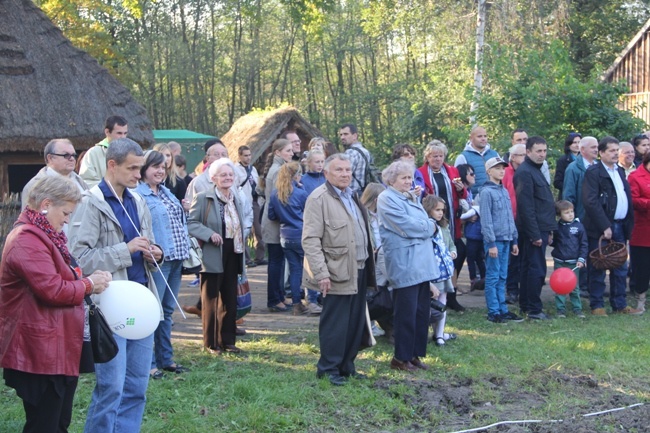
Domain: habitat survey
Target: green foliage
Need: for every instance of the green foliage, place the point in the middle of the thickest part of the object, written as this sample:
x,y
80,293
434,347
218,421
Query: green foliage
x,y
540,92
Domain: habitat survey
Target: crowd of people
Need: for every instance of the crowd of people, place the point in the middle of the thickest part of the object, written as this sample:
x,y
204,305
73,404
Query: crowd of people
x,y
331,235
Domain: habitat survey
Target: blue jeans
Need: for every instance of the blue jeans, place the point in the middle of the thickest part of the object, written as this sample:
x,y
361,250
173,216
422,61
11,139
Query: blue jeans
x,y
496,274
119,397
163,354
617,277
275,275
533,272
294,254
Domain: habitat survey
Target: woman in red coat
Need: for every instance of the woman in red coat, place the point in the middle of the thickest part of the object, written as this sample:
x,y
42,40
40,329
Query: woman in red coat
x,y
443,180
639,181
41,307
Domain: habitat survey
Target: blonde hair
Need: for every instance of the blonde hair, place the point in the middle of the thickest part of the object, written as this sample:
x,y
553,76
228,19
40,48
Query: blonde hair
x,y
317,140
430,202
284,182
57,189
170,173
277,145
370,194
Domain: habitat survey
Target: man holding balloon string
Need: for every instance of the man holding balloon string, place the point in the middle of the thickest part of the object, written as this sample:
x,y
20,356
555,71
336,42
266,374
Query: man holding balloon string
x,y
111,231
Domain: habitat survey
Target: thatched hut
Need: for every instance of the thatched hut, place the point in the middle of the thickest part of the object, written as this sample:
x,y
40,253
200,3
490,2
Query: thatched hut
x,y
50,89
259,129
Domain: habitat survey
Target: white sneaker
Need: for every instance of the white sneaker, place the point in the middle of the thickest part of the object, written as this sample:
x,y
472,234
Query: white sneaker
x,y
376,331
314,309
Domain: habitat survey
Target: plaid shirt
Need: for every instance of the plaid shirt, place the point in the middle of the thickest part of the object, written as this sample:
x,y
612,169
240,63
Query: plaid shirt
x,y
179,234
358,166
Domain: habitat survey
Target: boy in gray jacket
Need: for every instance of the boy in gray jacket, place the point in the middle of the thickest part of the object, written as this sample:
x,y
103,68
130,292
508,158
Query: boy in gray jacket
x,y
499,239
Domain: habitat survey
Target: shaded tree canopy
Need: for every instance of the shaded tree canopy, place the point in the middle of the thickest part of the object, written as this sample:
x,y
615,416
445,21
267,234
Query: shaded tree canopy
x,y
402,70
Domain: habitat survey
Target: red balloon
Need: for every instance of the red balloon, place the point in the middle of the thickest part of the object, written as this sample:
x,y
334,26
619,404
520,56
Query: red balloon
x,y
563,281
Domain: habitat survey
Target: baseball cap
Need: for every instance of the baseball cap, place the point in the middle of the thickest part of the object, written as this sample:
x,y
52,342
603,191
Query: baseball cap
x,y
492,162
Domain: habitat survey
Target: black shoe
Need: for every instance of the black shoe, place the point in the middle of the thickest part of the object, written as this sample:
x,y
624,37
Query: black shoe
x,y
262,262
512,299
452,303
250,264
512,317
334,378
358,376
176,369
496,318
538,316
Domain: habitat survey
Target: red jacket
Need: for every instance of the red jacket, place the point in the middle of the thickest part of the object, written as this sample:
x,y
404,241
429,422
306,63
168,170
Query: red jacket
x,y
452,172
41,306
509,185
639,181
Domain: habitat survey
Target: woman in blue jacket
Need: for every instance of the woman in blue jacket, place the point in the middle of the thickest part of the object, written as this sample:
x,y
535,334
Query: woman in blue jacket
x,y
170,231
287,205
313,177
406,236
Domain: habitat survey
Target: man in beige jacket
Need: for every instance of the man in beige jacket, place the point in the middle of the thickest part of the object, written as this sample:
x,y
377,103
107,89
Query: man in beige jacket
x,y
339,262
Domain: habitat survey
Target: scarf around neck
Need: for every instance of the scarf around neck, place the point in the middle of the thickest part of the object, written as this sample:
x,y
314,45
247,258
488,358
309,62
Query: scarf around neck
x,y
59,239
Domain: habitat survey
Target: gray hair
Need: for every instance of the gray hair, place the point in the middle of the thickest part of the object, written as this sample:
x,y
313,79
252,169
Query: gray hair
x,y
584,141
339,156
216,165
390,173
50,147
433,146
121,148
58,189
518,146
623,144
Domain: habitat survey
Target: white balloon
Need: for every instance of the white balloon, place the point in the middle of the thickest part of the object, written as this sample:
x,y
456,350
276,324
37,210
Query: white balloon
x,y
131,310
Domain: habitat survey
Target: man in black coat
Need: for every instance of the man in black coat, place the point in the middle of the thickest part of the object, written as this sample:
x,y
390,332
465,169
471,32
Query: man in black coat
x,y
608,213
535,222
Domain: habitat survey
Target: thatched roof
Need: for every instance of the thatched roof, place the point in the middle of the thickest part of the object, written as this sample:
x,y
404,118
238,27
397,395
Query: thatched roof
x,y
259,129
48,88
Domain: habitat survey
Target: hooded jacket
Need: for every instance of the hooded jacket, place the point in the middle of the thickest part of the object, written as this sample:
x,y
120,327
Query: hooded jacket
x,y
497,223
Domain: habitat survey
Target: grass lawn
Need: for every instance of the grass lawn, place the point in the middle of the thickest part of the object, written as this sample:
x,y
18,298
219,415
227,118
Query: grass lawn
x,y
554,370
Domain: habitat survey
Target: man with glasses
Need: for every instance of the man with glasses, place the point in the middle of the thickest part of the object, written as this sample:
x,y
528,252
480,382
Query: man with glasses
x,y
296,144
93,163
60,159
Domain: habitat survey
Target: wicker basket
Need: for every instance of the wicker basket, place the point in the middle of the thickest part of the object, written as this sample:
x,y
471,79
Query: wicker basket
x,y
608,256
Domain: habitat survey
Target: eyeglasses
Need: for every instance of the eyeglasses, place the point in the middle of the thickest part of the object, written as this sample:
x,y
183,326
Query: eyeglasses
x,y
407,153
68,156
517,154
470,174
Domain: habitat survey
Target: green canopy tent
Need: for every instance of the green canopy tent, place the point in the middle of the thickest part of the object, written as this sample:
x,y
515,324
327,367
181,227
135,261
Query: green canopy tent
x,y
191,142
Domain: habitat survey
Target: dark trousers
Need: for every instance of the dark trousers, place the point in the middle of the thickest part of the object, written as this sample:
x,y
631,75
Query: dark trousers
x,y
640,261
617,277
219,298
514,273
340,330
411,311
475,258
533,272
47,400
275,275
461,255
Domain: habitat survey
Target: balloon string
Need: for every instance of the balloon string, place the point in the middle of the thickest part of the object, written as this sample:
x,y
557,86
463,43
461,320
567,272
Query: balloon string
x,y
150,253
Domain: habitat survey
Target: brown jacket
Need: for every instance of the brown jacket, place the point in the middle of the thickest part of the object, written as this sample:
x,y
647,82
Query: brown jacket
x,y
328,242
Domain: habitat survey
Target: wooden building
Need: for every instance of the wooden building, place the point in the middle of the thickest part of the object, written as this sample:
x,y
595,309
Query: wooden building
x,y
50,89
632,67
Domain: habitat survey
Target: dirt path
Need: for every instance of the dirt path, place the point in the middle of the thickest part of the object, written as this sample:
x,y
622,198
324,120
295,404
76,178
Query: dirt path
x,y
260,319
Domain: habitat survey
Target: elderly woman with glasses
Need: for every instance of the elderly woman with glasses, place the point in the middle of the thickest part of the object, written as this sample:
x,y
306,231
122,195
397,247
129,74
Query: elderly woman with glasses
x,y
407,153
406,233
443,180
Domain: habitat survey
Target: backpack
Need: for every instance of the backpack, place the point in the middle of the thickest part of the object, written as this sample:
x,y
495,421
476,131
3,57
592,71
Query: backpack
x,y
371,174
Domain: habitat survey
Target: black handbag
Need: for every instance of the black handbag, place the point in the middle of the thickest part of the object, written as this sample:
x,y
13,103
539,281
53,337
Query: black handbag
x,y
380,303
101,337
